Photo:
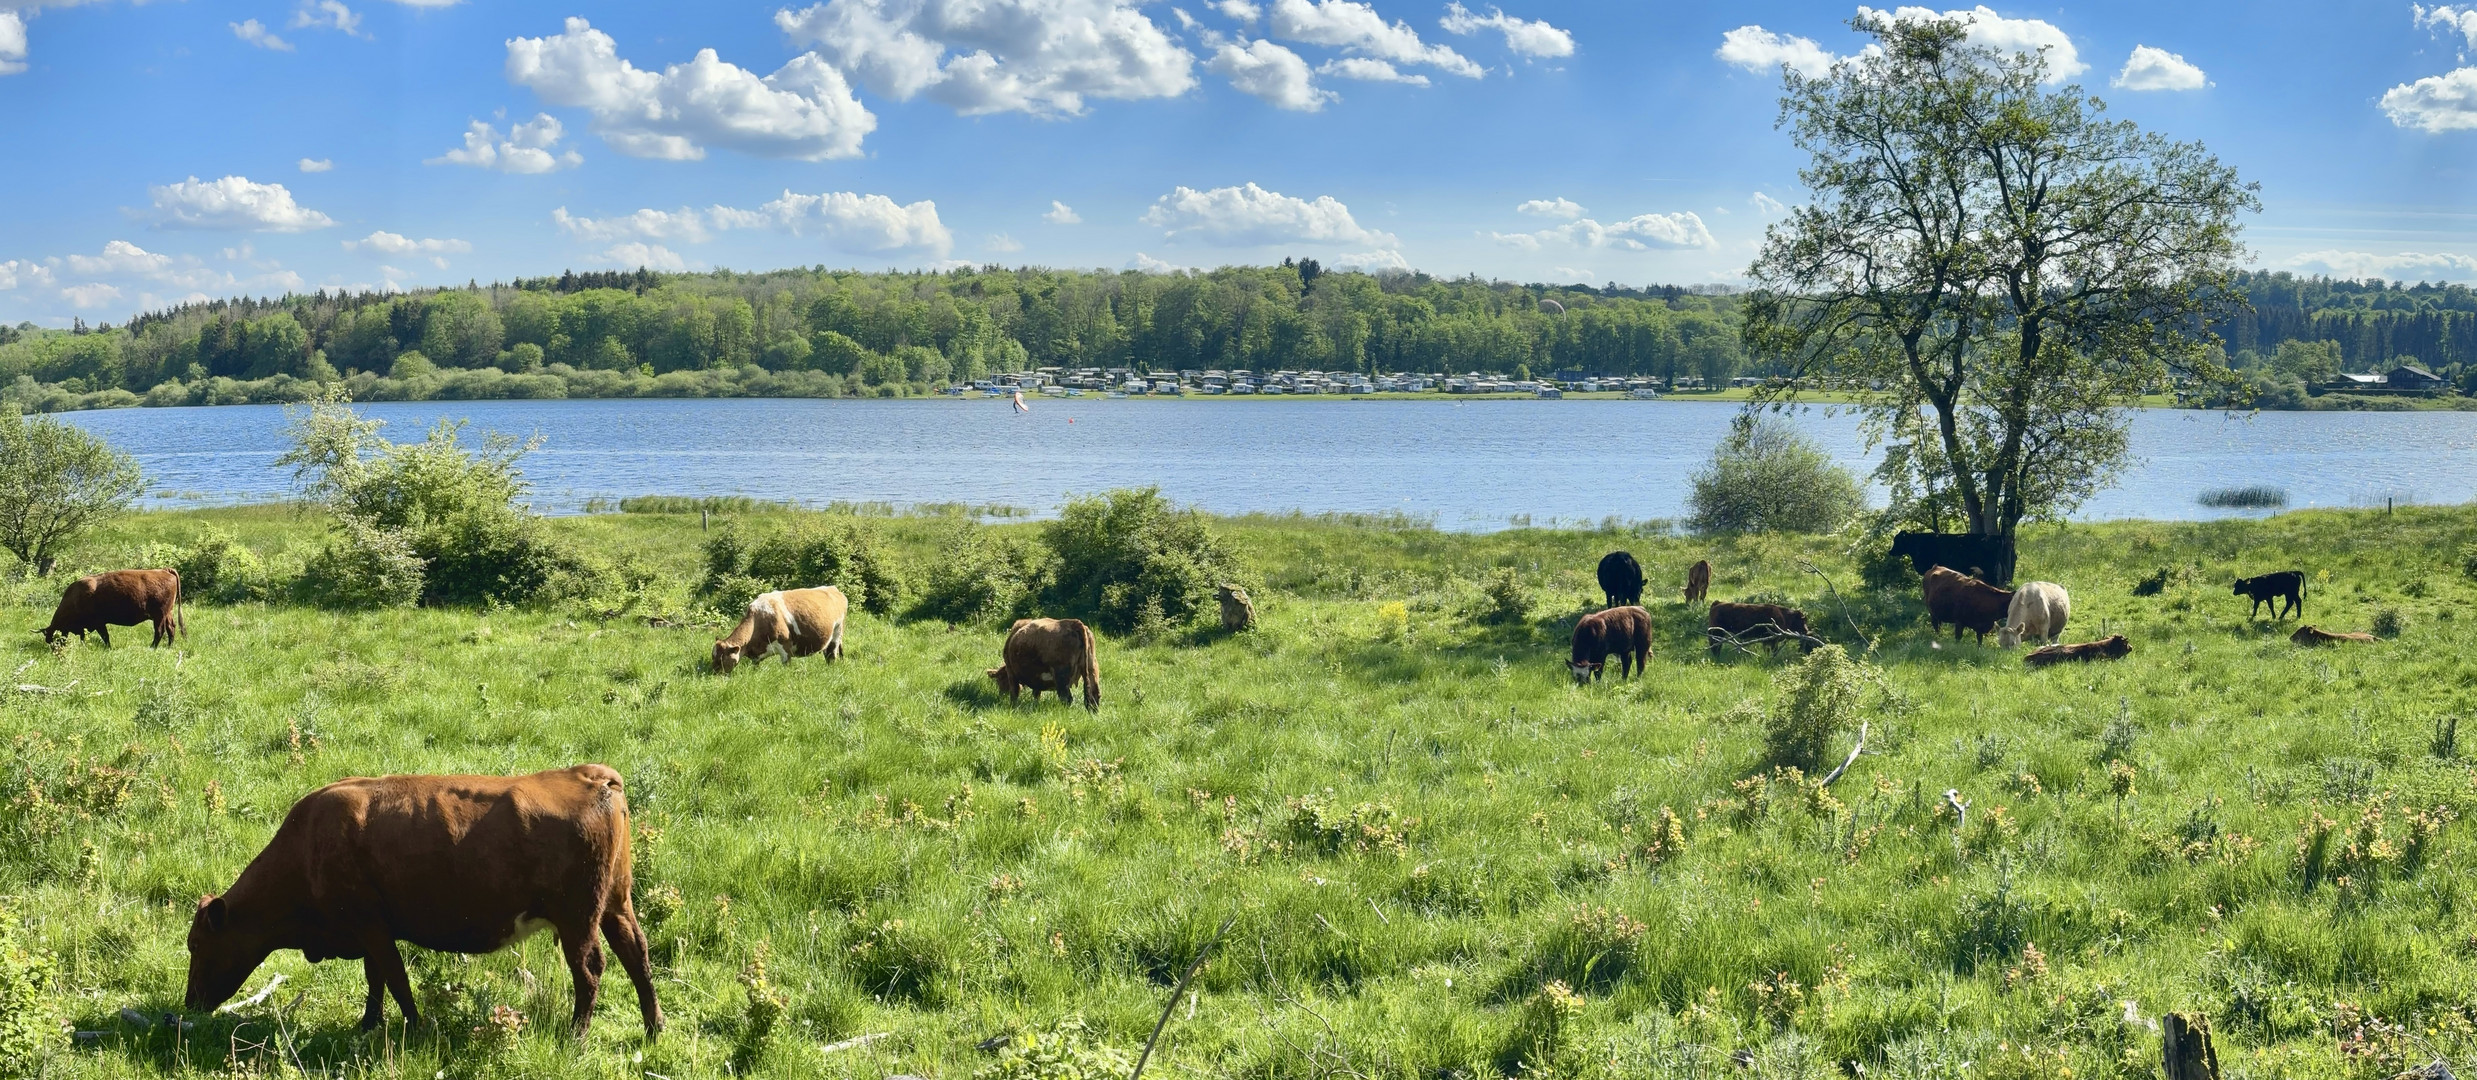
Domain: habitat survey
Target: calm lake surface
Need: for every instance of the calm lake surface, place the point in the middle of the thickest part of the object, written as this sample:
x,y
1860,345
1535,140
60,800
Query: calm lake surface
x,y
1467,465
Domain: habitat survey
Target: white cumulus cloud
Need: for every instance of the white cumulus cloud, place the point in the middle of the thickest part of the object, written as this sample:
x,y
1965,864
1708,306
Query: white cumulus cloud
x,y
2011,35
989,56
530,147
14,272
1533,37
1555,208
1004,244
849,221
1150,265
682,224
2398,266
328,15
636,255
1062,214
2436,103
1244,11
120,257
2158,69
1763,52
256,33
1369,69
1271,72
90,296
317,165
1356,27
2447,19
1643,232
803,111
387,243
1767,205
1249,215
233,202
12,43
1374,262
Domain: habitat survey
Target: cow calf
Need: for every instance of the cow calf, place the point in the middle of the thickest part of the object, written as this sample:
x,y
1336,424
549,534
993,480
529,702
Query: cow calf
x,y
2114,648
465,864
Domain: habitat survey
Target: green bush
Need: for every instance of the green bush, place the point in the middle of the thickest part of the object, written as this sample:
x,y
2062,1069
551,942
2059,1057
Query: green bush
x,y
2390,622
1507,599
808,551
27,1023
1119,554
1765,477
978,575
1818,699
221,569
364,566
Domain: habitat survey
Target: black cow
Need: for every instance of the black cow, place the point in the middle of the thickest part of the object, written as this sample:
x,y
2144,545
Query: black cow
x,y
1621,578
1988,558
2286,586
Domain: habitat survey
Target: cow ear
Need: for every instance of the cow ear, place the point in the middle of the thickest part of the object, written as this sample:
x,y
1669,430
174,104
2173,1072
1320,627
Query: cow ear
x,y
216,913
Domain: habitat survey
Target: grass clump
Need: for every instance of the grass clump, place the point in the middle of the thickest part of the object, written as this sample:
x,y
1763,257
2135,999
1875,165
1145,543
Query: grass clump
x,y
1065,1050
2246,497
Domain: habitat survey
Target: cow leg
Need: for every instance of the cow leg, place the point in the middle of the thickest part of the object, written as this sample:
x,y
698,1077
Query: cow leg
x,y
583,946
385,965
374,1008
104,632
628,940
1064,679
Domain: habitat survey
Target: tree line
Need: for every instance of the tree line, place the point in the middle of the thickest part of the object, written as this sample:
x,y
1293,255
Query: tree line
x,y
828,332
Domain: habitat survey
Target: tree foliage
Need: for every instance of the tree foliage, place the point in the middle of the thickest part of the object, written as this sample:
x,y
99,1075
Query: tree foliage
x,y
1993,267
1765,477
56,482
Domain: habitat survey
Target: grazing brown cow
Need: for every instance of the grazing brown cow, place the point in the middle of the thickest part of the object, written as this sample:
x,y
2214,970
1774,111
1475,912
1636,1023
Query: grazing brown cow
x,y
98,602
1049,654
1625,631
1965,602
1747,624
1698,581
2314,635
2114,648
465,864
793,622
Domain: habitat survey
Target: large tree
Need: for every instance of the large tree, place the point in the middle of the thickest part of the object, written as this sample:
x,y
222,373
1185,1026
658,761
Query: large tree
x,y
56,482
1994,269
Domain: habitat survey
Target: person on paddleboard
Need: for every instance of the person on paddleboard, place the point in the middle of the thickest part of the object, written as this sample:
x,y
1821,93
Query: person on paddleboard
x,y
1019,405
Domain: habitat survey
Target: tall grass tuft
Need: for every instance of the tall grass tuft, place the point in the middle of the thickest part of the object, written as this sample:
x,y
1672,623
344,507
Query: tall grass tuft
x,y
2246,497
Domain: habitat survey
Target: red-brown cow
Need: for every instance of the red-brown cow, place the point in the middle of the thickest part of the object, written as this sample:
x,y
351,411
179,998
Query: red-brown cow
x,y
1965,602
1698,581
1049,654
1748,624
1625,631
2114,648
467,864
98,602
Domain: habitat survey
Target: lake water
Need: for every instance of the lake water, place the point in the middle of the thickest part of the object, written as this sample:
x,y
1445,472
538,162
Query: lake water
x,y
1467,465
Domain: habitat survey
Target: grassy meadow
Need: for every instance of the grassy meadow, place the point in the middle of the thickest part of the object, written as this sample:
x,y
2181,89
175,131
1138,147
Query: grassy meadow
x,y
1439,858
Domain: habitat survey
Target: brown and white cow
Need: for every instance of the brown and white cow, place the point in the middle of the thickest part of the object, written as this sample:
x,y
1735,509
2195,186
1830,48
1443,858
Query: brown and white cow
x,y
465,864
1049,654
2114,648
1624,631
98,602
789,623
1965,602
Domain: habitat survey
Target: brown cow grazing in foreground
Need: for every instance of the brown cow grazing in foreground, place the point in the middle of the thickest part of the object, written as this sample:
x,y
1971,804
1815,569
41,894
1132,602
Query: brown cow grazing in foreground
x,y
2114,648
98,602
465,864
1698,581
2314,635
793,622
1747,624
1625,631
1049,654
1965,602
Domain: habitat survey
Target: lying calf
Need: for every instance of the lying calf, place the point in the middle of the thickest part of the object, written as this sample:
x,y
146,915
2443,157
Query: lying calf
x,y
2114,648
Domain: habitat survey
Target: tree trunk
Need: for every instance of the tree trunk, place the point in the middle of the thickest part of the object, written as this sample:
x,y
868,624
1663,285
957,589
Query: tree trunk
x,y
2185,1046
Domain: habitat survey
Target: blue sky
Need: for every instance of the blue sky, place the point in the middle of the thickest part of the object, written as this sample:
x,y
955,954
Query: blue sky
x,y
170,149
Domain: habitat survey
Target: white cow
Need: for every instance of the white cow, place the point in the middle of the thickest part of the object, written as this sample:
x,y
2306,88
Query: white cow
x,y
2038,610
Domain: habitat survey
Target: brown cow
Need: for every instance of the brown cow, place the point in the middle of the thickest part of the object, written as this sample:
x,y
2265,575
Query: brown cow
x,y
466,864
2114,648
98,602
1049,654
1698,581
1746,624
793,622
1625,631
2314,635
1965,602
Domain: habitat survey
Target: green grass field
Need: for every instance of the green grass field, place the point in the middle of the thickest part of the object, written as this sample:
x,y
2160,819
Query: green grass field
x,y
1441,859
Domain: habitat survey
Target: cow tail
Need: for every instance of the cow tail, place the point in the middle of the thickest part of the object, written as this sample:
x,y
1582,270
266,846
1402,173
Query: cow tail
x,y
1092,673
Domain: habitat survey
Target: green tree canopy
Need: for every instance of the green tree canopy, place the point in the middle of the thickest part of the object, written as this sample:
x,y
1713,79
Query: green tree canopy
x,y
56,482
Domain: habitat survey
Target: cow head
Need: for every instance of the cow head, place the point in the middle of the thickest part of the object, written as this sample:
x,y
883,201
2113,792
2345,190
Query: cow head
x,y
2116,648
224,947
1583,669
2007,636
2241,582
1004,678
726,657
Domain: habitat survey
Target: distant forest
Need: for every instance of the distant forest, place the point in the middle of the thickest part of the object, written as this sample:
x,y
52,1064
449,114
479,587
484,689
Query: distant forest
x,y
827,333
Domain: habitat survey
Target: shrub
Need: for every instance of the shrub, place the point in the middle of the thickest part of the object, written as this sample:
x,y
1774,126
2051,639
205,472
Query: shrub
x,y
57,482
27,1023
811,550
1118,553
2468,560
1066,1051
977,576
219,568
1819,699
2389,623
364,566
1765,477
1508,600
